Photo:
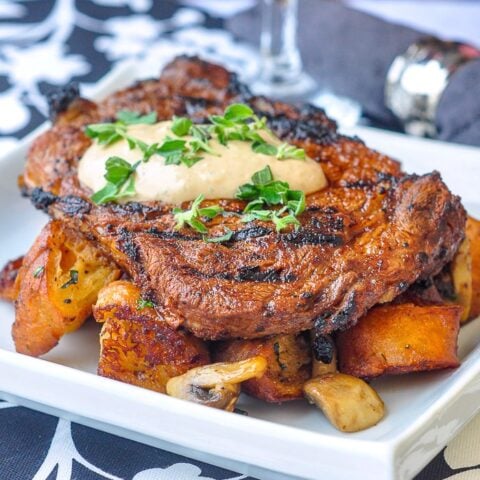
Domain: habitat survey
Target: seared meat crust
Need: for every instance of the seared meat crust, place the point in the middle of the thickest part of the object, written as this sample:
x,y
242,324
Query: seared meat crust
x,y
373,232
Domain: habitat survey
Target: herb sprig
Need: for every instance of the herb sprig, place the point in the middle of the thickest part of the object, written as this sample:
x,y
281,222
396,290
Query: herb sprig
x,y
73,279
109,133
192,217
143,303
120,181
264,192
238,123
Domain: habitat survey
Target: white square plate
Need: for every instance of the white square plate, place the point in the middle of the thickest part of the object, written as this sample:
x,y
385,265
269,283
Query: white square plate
x,y
424,410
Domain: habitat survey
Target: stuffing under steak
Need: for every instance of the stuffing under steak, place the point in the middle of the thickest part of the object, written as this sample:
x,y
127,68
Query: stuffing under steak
x,y
363,240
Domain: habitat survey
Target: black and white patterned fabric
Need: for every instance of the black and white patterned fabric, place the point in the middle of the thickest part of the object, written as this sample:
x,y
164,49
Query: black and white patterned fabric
x,y
45,43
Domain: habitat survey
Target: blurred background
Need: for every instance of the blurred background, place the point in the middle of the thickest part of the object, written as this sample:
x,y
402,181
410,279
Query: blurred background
x,y
340,54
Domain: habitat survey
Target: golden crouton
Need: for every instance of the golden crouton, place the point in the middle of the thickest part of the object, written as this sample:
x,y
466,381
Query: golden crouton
x,y
394,339
473,234
8,275
137,346
57,285
288,365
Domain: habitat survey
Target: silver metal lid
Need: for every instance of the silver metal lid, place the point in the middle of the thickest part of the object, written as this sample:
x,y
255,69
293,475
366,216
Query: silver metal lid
x,y
417,79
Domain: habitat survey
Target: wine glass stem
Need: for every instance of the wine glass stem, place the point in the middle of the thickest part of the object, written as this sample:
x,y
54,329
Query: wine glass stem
x,y
281,61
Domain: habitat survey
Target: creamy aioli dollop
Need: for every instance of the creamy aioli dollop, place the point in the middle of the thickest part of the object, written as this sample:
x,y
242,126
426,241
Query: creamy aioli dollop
x,y
215,176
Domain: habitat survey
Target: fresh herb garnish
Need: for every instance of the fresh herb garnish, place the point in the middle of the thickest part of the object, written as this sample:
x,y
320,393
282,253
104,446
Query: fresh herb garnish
x,y
181,126
143,303
73,279
38,271
134,118
108,133
265,148
285,151
238,122
176,152
266,192
223,238
120,182
192,216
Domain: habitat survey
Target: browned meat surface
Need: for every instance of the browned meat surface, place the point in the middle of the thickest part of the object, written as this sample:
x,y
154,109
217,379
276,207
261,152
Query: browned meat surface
x,y
373,232
8,275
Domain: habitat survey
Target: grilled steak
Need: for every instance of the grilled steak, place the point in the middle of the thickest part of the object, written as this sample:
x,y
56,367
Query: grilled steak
x,y
364,240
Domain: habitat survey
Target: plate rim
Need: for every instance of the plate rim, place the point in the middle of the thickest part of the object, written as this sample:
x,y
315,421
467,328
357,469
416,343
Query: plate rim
x,y
384,454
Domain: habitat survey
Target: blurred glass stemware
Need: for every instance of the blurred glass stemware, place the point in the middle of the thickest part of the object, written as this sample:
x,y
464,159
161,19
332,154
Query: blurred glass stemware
x,y
281,71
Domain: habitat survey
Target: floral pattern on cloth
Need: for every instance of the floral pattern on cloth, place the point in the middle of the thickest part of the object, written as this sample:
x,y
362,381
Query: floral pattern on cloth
x,y
63,450
47,43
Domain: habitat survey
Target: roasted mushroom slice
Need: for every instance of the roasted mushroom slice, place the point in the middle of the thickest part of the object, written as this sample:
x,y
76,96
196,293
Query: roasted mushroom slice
x,y
348,402
216,385
289,365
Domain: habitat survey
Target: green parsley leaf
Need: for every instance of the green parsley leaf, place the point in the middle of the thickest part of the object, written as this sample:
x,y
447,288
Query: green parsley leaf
x,y
296,201
133,118
263,177
106,194
210,212
108,133
238,112
286,151
148,151
73,279
120,182
177,151
264,215
105,133
38,271
266,192
192,216
283,222
181,126
223,238
117,170
171,145
189,159
265,148
142,303
172,150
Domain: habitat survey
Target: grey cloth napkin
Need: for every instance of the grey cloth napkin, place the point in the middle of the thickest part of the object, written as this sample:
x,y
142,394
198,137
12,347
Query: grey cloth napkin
x,y
349,52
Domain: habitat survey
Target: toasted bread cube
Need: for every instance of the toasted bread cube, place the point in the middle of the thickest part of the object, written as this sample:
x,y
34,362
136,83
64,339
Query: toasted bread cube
x,y
473,234
8,275
57,285
395,339
137,346
288,365
461,271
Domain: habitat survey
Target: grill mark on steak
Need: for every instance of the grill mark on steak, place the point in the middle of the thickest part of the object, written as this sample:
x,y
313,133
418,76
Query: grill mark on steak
x,y
305,237
41,199
373,232
126,244
247,274
74,206
250,232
